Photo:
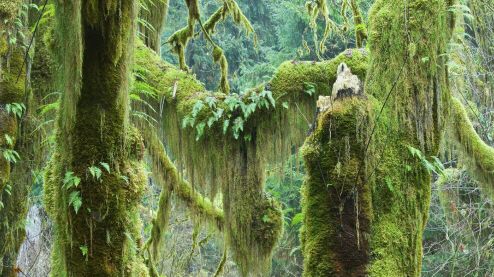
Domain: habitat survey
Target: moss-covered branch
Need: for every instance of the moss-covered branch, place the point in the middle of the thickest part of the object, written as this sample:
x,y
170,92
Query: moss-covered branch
x,y
358,21
224,141
294,88
166,174
180,38
165,171
477,155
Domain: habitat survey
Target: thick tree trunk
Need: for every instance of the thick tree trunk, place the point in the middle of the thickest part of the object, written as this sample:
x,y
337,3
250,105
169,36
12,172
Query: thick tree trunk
x,y
366,198
96,221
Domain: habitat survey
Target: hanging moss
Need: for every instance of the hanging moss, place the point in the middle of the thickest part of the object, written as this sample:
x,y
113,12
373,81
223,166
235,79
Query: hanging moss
x,y
279,128
315,9
166,174
153,13
180,38
253,220
474,152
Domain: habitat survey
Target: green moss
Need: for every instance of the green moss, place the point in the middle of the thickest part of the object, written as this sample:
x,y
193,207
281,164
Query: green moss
x,y
421,90
474,152
180,38
253,220
12,90
166,174
315,9
9,9
336,196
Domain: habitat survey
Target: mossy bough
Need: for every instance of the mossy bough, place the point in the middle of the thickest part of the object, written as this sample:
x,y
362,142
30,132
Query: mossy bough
x,y
474,152
253,220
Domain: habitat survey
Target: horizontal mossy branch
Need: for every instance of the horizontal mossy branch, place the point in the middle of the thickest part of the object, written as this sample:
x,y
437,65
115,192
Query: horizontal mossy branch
x,y
479,156
199,205
296,85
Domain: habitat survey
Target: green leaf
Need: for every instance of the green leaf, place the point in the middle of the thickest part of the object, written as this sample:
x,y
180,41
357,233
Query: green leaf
x,y
211,121
232,101
226,123
211,101
197,108
105,166
271,99
95,172
84,251
8,189
285,105
266,218
188,121
11,155
125,178
218,113
309,88
297,219
9,140
238,126
200,130
75,200
70,180
389,184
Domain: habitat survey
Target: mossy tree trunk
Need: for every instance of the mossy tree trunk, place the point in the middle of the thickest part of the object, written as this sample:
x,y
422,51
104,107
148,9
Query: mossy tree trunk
x,y
95,178
366,198
15,177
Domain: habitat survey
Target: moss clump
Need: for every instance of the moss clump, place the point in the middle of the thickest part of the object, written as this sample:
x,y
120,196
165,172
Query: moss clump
x,y
336,197
253,221
9,9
